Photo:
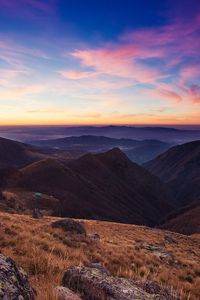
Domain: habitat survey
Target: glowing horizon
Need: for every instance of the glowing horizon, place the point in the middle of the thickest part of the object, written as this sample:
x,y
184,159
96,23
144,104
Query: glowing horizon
x,y
99,64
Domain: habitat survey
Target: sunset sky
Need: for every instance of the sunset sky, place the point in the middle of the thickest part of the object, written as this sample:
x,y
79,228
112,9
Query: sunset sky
x,y
100,62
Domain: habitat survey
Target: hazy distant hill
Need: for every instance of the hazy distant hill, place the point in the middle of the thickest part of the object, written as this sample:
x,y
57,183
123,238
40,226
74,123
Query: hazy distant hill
x,y
179,167
103,186
138,151
166,134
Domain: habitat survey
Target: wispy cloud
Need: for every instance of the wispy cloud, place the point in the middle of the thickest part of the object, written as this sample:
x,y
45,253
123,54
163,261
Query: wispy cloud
x,y
169,94
164,59
76,74
28,8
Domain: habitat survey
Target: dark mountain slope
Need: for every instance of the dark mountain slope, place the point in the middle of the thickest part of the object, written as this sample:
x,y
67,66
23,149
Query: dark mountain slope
x,y
185,220
102,186
179,167
16,154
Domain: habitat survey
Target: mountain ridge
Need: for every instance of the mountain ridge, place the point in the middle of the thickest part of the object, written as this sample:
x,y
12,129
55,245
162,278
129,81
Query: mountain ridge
x,y
98,186
179,168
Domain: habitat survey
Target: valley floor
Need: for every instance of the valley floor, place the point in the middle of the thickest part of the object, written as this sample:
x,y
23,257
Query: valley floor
x,y
129,251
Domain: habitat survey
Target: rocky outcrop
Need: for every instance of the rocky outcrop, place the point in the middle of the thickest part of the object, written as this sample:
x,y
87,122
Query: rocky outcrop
x,y
159,252
14,283
98,284
70,225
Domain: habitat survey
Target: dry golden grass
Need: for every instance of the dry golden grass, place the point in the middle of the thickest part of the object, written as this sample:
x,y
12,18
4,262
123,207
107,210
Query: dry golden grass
x,y
45,253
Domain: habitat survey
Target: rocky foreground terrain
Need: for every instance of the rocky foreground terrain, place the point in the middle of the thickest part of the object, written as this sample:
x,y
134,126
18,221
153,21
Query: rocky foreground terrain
x,y
95,260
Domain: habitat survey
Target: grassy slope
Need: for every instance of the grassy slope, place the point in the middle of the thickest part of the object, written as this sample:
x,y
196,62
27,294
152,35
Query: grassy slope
x,y
46,252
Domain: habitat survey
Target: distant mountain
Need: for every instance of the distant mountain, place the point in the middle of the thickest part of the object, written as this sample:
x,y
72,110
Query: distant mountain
x,y
166,134
179,168
138,151
185,220
106,186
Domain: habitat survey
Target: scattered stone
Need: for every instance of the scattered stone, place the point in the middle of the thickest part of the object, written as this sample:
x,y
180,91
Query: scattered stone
x,y
63,293
161,253
14,283
70,225
169,239
151,247
36,214
95,237
96,284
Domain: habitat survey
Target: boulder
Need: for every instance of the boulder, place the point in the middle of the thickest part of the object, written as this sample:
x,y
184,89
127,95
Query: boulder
x,y
70,225
14,283
97,284
63,293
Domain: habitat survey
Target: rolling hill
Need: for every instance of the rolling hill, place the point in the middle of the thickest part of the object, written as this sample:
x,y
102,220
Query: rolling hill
x,y
106,186
185,220
138,151
179,168
15,154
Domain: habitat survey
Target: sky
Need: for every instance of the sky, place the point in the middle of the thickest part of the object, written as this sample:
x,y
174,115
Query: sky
x,y
99,62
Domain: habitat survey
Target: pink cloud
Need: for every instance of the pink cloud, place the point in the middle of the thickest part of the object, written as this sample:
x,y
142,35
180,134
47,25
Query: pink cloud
x,y
76,74
119,61
189,73
194,93
165,58
168,39
169,94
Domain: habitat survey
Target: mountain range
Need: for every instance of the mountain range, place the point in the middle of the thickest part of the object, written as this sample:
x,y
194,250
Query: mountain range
x,y
138,151
165,134
105,185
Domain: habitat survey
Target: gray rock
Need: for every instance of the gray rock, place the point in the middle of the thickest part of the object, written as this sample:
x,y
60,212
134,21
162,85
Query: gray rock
x,y
14,283
95,237
70,225
96,284
169,239
160,252
63,293
100,267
